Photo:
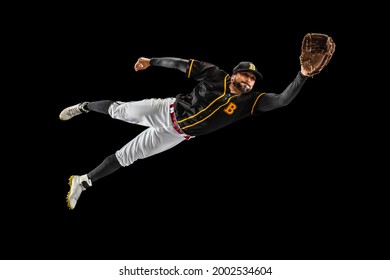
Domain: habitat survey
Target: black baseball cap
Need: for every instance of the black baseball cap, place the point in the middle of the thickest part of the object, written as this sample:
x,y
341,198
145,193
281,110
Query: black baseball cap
x,y
245,66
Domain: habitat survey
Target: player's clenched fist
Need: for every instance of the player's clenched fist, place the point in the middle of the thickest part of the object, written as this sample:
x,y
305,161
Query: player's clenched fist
x,y
142,63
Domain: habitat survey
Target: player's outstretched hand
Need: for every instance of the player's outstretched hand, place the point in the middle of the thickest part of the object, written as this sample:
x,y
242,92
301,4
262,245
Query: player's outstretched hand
x,y
142,63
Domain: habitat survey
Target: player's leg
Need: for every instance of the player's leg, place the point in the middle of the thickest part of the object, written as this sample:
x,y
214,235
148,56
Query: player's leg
x,y
85,107
148,143
81,183
152,112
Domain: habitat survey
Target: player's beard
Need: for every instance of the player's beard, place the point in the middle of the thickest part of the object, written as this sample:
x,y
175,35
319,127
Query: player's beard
x,y
241,87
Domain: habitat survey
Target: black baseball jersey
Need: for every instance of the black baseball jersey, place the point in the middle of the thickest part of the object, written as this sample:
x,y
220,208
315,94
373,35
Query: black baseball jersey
x,y
210,105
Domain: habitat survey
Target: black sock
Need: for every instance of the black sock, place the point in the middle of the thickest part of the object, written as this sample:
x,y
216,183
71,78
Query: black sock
x,y
100,106
109,165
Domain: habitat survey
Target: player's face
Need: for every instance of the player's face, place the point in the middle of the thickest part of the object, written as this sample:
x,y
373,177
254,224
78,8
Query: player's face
x,y
244,81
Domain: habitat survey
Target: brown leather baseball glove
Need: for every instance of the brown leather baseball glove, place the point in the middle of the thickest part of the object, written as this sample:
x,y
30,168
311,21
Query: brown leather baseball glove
x,y
316,51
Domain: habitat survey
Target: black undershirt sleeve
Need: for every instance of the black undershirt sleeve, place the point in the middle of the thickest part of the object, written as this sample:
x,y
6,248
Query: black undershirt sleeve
x,y
171,62
271,101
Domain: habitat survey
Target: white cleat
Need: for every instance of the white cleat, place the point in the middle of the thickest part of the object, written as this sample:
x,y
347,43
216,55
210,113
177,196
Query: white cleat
x,y
77,185
73,111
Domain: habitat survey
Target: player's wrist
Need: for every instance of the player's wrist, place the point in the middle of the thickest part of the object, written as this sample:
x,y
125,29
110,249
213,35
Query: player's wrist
x,y
304,73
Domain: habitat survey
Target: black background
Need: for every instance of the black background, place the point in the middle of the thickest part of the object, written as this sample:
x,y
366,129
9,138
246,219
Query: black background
x,y
295,183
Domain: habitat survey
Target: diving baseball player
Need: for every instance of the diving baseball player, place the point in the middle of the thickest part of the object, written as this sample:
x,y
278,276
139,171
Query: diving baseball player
x,y
217,100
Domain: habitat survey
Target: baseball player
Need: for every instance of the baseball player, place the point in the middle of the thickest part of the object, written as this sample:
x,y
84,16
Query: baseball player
x,y
217,100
